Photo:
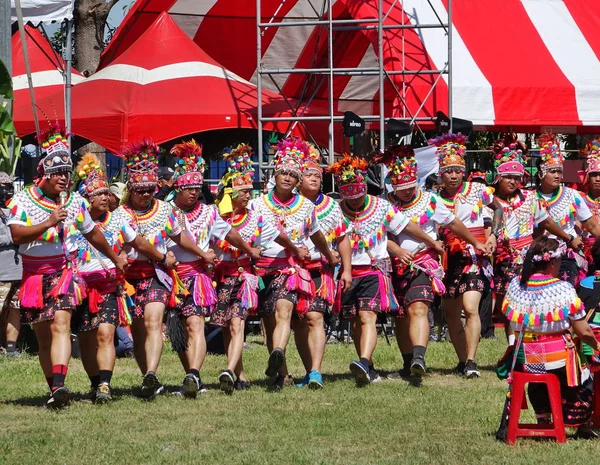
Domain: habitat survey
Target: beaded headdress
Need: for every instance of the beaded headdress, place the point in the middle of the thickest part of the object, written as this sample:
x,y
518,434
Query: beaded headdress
x,y
351,176
92,179
189,169
55,143
477,174
239,175
592,152
551,154
141,165
402,167
451,150
312,159
509,156
289,155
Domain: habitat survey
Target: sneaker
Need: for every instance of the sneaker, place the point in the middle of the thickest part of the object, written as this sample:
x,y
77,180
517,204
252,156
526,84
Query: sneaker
x,y
276,360
150,386
160,390
304,381
14,354
460,368
585,432
226,382
240,385
471,370
360,373
191,386
315,380
90,396
374,376
103,394
418,367
59,398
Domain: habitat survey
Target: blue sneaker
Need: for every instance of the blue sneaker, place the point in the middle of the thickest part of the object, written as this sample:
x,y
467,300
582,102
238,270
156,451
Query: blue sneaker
x,y
315,380
360,373
304,381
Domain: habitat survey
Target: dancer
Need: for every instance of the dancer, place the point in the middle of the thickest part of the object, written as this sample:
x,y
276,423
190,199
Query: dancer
x,y
468,272
42,217
367,221
565,206
309,330
418,274
155,285
288,286
202,224
546,309
591,197
107,303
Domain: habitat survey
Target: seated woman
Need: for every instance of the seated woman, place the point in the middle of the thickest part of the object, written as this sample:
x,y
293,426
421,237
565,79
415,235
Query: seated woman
x,y
547,309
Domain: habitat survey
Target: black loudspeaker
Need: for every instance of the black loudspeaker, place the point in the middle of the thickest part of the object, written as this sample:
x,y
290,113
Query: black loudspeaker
x,y
396,128
30,165
353,124
442,124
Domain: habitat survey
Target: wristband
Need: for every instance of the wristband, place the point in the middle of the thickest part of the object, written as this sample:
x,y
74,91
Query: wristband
x,y
571,239
164,259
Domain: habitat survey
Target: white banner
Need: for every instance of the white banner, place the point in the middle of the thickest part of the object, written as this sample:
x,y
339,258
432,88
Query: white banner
x,y
43,11
427,163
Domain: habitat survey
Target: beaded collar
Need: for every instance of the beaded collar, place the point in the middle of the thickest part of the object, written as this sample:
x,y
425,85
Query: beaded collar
x,y
562,205
368,225
420,209
248,225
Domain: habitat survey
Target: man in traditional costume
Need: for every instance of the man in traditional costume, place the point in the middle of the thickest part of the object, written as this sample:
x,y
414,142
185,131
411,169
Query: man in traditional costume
x,y
202,224
288,285
565,206
42,217
309,330
418,275
367,222
468,271
156,286
106,305
591,196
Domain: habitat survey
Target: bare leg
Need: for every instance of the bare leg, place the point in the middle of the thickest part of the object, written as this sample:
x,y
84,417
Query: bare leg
x,y
403,335
88,344
153,318
301,338
13,325
368,339
60,351
316,339
234,343
138,333
418,323
473,324
452,310
196,347
44,338
283,319
106,347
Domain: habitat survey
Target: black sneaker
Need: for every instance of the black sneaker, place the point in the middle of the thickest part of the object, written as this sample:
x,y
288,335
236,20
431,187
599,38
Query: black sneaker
x,y
191,386
151,386
90,396
360,373
418,367
226,382
460,369
471,370
276,360
59,398
374,376
103,394
240,385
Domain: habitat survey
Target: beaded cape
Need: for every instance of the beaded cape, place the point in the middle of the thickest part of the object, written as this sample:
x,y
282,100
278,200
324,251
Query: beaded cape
x,y
113,229
295,218
198,221
249,226
562,206
472,193
153,224
523,208
32,207
419,210
593,205
330,217
368,226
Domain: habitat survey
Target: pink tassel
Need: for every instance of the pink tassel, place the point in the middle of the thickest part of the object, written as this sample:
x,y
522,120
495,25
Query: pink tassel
x,y
291,283
30,293
248,296
123,301
438,286
64,286
327,289
204,292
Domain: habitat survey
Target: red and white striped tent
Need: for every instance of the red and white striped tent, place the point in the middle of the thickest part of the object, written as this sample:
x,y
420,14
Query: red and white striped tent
x,y
164,87
47,73
524,64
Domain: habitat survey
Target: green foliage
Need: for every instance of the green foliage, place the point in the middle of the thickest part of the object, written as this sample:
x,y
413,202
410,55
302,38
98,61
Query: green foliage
x,y
8,163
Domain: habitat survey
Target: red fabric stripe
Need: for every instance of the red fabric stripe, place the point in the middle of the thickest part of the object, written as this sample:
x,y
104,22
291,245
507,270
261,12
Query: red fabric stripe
x,y
587,16
527,85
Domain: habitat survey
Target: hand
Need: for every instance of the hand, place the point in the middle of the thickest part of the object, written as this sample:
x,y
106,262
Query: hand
x,y
576,244
121,263
405,257
439,247
255,253
346,279
210,257
58,215
123,254
334,259
170,260
491,244
483,248
302,253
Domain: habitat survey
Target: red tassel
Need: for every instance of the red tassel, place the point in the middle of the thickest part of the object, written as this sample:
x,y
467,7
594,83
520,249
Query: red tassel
x,y
94,300
549,317
520,319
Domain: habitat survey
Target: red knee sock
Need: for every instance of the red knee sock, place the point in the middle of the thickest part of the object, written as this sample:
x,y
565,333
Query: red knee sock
x,y
59,373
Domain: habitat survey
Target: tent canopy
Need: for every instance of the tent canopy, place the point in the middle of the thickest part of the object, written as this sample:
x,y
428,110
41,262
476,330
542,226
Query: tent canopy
x,y
528,65
164,87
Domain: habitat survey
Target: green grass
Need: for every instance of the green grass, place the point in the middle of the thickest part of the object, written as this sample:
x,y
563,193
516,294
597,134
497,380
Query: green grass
x,y
448,420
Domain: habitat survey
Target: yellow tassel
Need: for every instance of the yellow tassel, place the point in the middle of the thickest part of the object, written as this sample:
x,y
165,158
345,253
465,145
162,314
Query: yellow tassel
x,y
225,205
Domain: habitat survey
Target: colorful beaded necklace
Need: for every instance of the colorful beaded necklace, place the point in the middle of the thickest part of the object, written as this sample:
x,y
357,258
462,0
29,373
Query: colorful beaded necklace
x,y
283,209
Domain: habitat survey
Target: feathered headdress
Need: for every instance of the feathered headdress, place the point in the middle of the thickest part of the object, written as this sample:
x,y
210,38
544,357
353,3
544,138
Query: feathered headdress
x,y
592,152
289,155
141,164
312,159
189,170
55,143
509,156
239,176
451,150
402,166
550,152
351,176
92,179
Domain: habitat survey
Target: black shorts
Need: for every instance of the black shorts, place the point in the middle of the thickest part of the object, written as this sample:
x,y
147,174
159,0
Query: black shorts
x,y
274,290
147,290
412,286
108,312
363,296
457,282
228,306
186,306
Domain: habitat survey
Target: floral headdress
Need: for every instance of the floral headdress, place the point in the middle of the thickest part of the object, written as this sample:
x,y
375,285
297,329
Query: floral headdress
x,y
312,159
289,156
141,165
451,150
93,181
55,143
549,256
189,170
592,152
509,156
239,176
402,167
550,152
351,176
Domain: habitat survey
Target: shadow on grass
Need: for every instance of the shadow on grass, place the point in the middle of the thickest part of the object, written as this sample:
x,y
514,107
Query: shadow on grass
x,y
452,371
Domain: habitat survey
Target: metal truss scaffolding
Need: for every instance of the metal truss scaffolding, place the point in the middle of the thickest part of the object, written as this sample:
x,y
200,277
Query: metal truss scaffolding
x,y
323,18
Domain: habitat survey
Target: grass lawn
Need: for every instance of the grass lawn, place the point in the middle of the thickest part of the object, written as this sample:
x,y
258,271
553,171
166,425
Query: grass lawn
x,y
448,420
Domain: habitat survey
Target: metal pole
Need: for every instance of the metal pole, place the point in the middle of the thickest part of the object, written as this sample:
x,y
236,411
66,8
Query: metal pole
x,y
450,62
330,59
381,83
259,90
27,67
69,64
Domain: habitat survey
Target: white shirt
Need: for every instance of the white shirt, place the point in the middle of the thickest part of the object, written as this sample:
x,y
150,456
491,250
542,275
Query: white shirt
x,y
468,203
330,218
